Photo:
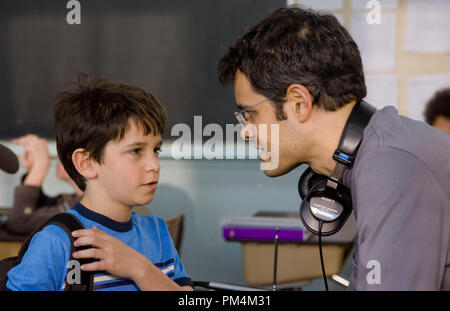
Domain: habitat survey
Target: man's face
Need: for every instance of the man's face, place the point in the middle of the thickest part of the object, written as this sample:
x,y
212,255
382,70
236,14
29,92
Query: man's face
x,y
261,127
129,171
442,123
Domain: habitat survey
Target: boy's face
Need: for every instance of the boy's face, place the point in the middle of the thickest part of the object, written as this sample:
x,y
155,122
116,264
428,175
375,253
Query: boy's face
x,y
129,172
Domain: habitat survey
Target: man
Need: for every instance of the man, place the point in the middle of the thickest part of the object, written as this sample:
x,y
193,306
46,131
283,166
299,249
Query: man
x,y
437,112
300,70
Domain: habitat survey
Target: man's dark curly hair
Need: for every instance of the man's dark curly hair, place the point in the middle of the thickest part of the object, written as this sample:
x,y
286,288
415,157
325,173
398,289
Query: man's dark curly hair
x,y
439,105
294,45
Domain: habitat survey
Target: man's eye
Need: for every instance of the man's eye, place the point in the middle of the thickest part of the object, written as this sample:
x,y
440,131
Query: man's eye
x,y
247,115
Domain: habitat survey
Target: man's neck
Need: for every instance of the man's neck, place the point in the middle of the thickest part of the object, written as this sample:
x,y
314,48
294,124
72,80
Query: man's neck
x,y
106,207
327,136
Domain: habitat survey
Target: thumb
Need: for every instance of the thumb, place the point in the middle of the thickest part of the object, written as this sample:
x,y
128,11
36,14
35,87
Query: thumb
x,y
24,161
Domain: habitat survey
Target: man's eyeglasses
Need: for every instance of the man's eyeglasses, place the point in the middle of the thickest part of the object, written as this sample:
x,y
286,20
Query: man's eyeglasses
x,y
242,117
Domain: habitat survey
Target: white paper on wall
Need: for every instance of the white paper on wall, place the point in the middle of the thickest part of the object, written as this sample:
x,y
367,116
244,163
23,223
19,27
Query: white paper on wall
x,y
384,4
376,41
428,26
421,89
382,90
323,5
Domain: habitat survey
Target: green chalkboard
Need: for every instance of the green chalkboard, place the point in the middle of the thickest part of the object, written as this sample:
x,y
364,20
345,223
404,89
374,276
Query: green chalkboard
x,y
170,48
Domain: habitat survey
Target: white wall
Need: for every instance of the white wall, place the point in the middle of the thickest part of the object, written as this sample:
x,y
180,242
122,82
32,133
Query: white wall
x,y
207,190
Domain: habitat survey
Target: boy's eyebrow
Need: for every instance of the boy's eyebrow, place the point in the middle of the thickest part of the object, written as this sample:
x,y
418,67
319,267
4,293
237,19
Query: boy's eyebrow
x,y
136,144
141,144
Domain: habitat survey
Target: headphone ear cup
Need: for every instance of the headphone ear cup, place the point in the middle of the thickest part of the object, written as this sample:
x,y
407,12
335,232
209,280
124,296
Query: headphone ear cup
x,y
307,181
316,185
318,190
303,182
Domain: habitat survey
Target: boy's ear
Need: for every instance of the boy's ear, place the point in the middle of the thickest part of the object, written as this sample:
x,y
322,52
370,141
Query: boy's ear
x,y
84,164
301,101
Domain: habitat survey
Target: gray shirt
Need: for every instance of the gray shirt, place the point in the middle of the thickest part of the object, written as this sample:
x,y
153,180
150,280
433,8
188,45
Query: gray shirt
x,y
400,185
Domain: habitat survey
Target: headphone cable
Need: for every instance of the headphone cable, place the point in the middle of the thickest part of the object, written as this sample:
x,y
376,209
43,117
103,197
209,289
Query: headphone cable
x,y
321,256
275,257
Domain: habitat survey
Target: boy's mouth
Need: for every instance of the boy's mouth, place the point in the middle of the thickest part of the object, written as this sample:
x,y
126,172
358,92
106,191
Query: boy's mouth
x,y
151,185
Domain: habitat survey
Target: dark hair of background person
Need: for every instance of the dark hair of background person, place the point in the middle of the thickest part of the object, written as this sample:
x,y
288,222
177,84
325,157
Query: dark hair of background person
x,y
438,105
96,111
294,45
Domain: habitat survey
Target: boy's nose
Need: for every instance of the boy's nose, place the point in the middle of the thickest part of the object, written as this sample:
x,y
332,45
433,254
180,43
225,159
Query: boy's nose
x,y
152,164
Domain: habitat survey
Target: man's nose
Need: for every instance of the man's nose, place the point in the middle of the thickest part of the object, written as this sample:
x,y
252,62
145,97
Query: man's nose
x,y
248,132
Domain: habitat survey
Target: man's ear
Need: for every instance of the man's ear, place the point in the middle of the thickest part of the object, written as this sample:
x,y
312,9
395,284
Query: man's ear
x,y
84,164
300,102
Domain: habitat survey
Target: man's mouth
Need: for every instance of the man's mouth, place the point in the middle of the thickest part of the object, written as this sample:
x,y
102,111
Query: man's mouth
x,y
263,154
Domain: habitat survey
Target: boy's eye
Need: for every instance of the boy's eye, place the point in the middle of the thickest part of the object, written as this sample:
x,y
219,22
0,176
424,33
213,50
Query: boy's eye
x,y
136,151
157,150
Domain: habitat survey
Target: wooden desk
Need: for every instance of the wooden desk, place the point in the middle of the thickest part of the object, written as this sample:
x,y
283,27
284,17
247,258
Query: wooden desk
x,y
10,243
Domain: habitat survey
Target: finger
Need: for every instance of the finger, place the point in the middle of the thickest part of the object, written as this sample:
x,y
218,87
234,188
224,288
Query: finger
x,y
94,266
25,139
84,241
88,240
89,253
100,233
23,160
19,141
30,137
83,232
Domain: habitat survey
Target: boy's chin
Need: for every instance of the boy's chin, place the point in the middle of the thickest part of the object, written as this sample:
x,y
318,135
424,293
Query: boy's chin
x,y
143,201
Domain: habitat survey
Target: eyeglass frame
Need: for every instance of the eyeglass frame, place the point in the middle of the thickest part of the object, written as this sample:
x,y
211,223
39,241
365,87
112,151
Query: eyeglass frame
x,y
240,114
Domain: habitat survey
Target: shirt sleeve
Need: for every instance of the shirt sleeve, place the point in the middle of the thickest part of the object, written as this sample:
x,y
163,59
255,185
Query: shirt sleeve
x,y
43,267
31,209
402,237
179,274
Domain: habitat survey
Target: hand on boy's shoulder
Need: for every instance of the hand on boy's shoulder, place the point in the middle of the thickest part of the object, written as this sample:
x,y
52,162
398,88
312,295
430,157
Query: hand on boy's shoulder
x,y
113,255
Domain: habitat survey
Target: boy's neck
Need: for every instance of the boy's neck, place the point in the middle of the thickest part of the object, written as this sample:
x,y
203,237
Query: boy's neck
x,y
108,208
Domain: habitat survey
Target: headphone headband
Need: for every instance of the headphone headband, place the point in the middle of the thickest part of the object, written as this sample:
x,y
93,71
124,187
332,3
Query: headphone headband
x,y
327,204
353,132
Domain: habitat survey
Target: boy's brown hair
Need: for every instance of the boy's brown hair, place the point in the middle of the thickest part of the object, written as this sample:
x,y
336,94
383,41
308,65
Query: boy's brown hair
x,y
96,111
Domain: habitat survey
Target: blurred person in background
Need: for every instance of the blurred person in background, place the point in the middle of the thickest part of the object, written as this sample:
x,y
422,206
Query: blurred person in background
x,y
31,206
437,111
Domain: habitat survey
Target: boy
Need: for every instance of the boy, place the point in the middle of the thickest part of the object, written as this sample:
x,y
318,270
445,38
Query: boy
x,y
108,136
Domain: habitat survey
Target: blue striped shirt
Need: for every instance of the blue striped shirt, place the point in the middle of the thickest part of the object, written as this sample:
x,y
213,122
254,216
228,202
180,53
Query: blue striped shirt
x,y
44,266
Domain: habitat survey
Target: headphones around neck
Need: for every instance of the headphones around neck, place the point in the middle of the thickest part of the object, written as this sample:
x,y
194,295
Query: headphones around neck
x,y
326,202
